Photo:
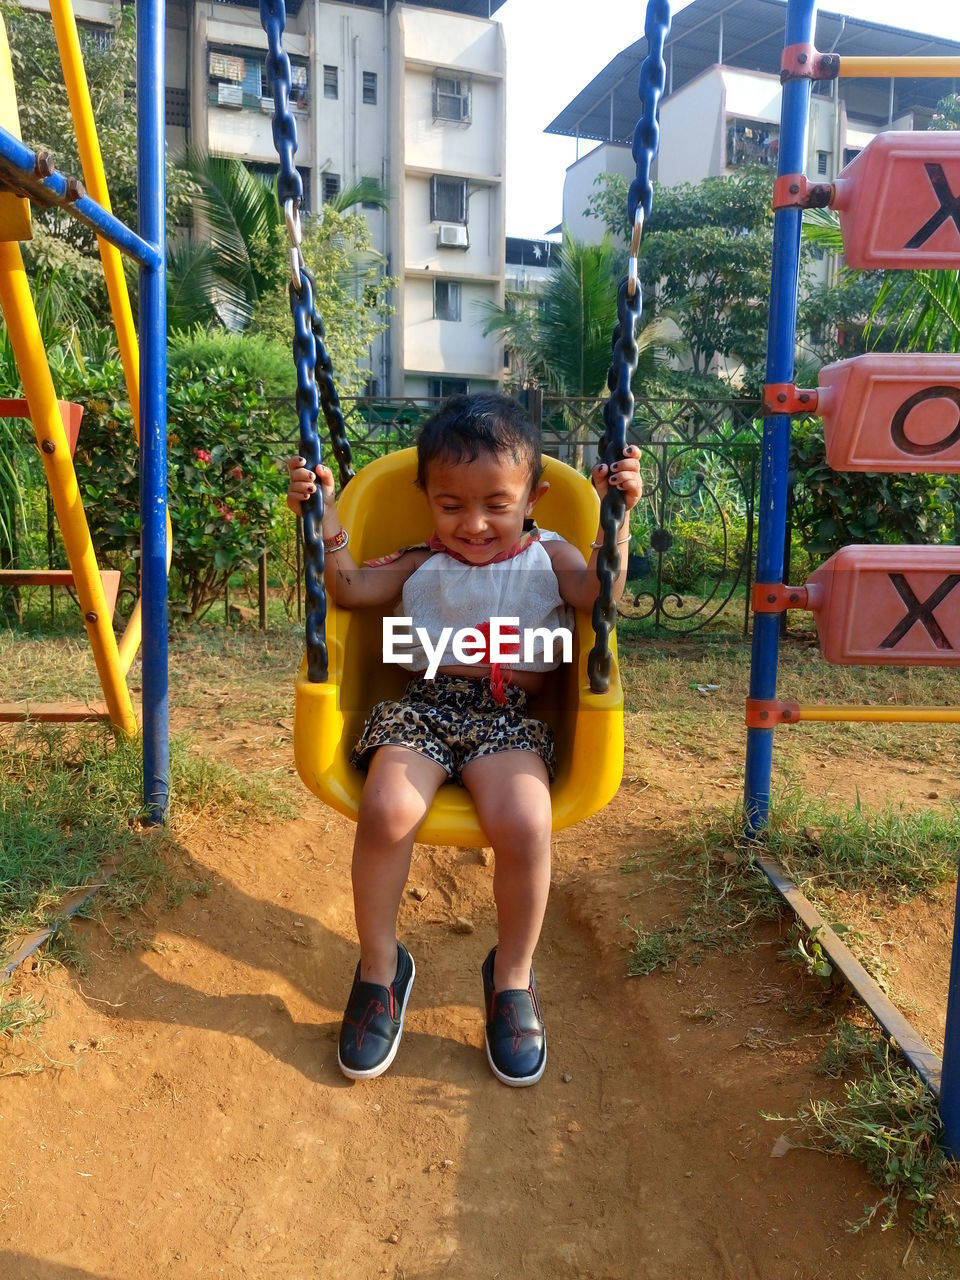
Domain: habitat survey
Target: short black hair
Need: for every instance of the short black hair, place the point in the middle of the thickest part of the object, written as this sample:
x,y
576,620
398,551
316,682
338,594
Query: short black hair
x,y
466,426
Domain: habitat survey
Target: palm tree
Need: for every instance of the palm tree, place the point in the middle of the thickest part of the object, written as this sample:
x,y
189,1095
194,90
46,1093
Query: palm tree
x,y
239,253
563,341
916,310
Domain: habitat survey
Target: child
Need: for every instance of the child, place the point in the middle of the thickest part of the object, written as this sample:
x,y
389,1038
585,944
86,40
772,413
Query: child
x,y
479,465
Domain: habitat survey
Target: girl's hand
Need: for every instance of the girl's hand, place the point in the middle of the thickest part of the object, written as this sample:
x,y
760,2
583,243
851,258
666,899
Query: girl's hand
x,y
303,484
623,475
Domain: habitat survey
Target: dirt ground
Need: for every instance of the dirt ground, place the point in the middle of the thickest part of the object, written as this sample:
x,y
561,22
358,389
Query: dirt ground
x,y
202,1128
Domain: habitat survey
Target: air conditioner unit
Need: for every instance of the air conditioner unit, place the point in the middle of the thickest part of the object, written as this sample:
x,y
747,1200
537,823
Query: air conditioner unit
x,y
229,95
452,235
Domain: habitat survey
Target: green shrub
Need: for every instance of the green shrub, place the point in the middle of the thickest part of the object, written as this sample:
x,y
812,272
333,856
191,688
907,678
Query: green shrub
x,y
259,358
832,508
225,486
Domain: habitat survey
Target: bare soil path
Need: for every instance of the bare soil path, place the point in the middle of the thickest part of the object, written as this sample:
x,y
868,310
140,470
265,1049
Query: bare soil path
x,y
204,1130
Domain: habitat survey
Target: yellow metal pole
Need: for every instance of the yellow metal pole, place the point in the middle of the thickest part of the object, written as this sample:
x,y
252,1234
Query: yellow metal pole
x,y
881,715
884,68
91,159
21,317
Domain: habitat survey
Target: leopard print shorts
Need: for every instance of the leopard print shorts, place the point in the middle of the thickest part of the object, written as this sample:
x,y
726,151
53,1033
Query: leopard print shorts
x,y
454,720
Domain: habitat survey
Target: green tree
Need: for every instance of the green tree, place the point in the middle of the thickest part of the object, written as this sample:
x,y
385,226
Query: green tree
x,y
352,294
705,258
46,122
947,114
237,253
562,336
908,310
225,483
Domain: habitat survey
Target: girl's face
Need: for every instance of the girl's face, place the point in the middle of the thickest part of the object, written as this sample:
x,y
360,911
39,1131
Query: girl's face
x,y
479,507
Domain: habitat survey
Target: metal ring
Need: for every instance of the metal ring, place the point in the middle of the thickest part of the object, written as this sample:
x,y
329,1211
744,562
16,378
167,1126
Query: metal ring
x,y
632,272
291,216
296,262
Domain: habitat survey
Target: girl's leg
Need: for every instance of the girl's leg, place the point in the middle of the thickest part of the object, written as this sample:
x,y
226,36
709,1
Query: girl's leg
x,y
512,793
397,795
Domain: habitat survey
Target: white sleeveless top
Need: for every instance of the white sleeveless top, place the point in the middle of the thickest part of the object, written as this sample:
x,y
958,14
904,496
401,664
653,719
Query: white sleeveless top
x,y
445,592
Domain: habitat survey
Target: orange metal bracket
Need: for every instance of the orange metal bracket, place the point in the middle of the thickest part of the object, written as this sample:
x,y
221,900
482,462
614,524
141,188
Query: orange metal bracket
x,y
764,713
803,62
69,411
794,191
777,597
785,397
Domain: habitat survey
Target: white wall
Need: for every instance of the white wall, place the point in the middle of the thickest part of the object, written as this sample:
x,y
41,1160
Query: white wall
x,y
452,40
350,134
578,186
751,94
692,134
455,348
444,144
420,247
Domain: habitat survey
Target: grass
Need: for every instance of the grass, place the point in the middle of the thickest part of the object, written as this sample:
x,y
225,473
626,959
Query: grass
x,y
20,1016
70,805
890,853
723,897
887,1121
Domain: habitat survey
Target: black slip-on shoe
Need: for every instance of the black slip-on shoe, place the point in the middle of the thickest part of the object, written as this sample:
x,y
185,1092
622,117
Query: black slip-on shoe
x,y
516,1039
373,1021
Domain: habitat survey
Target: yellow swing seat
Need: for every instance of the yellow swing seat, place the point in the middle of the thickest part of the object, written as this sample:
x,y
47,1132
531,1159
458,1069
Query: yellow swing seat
x,y
382,509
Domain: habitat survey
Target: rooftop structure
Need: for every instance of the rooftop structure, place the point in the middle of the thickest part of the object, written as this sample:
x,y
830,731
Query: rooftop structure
x,y
748,34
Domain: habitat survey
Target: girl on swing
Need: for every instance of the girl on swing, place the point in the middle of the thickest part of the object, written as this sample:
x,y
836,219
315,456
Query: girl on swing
x,y
479,466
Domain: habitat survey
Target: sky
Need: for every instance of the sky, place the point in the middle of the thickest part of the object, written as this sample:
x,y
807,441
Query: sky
x,y
556,47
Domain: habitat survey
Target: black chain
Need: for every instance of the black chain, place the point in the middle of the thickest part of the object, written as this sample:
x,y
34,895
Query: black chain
x,y
653,79
309,352
618,410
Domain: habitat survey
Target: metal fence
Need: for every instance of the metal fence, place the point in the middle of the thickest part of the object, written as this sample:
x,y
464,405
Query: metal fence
x,y
692,533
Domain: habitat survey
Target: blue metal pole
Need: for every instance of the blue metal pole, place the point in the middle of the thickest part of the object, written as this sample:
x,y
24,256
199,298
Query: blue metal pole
x,y
19,164
781,340
151,196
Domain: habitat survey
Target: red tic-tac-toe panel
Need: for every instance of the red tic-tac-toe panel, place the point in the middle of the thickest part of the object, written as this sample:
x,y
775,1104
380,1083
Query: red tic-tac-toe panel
x,y
897,606
899,202
892,413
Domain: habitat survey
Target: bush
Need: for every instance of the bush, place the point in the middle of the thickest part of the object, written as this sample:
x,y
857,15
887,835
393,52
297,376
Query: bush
x,y
259,358
225,486
832,508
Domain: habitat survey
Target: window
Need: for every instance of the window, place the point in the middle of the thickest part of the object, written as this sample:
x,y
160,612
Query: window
x,y
850,153
175,107
823,163
751,142
100,38
451,99
331,186
238,78
370,88
268,172
331,83
446,300
448,199
440,388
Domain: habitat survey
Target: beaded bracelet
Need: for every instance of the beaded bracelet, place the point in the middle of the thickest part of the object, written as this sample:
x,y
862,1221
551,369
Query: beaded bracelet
x,y
336,543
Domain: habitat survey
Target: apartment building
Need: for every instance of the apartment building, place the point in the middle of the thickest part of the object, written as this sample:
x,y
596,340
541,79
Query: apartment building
x,y
721,106
412,94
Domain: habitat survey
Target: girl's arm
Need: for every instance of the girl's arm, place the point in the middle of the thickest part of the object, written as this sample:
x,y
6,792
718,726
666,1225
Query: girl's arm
x,y
349,584
576,578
